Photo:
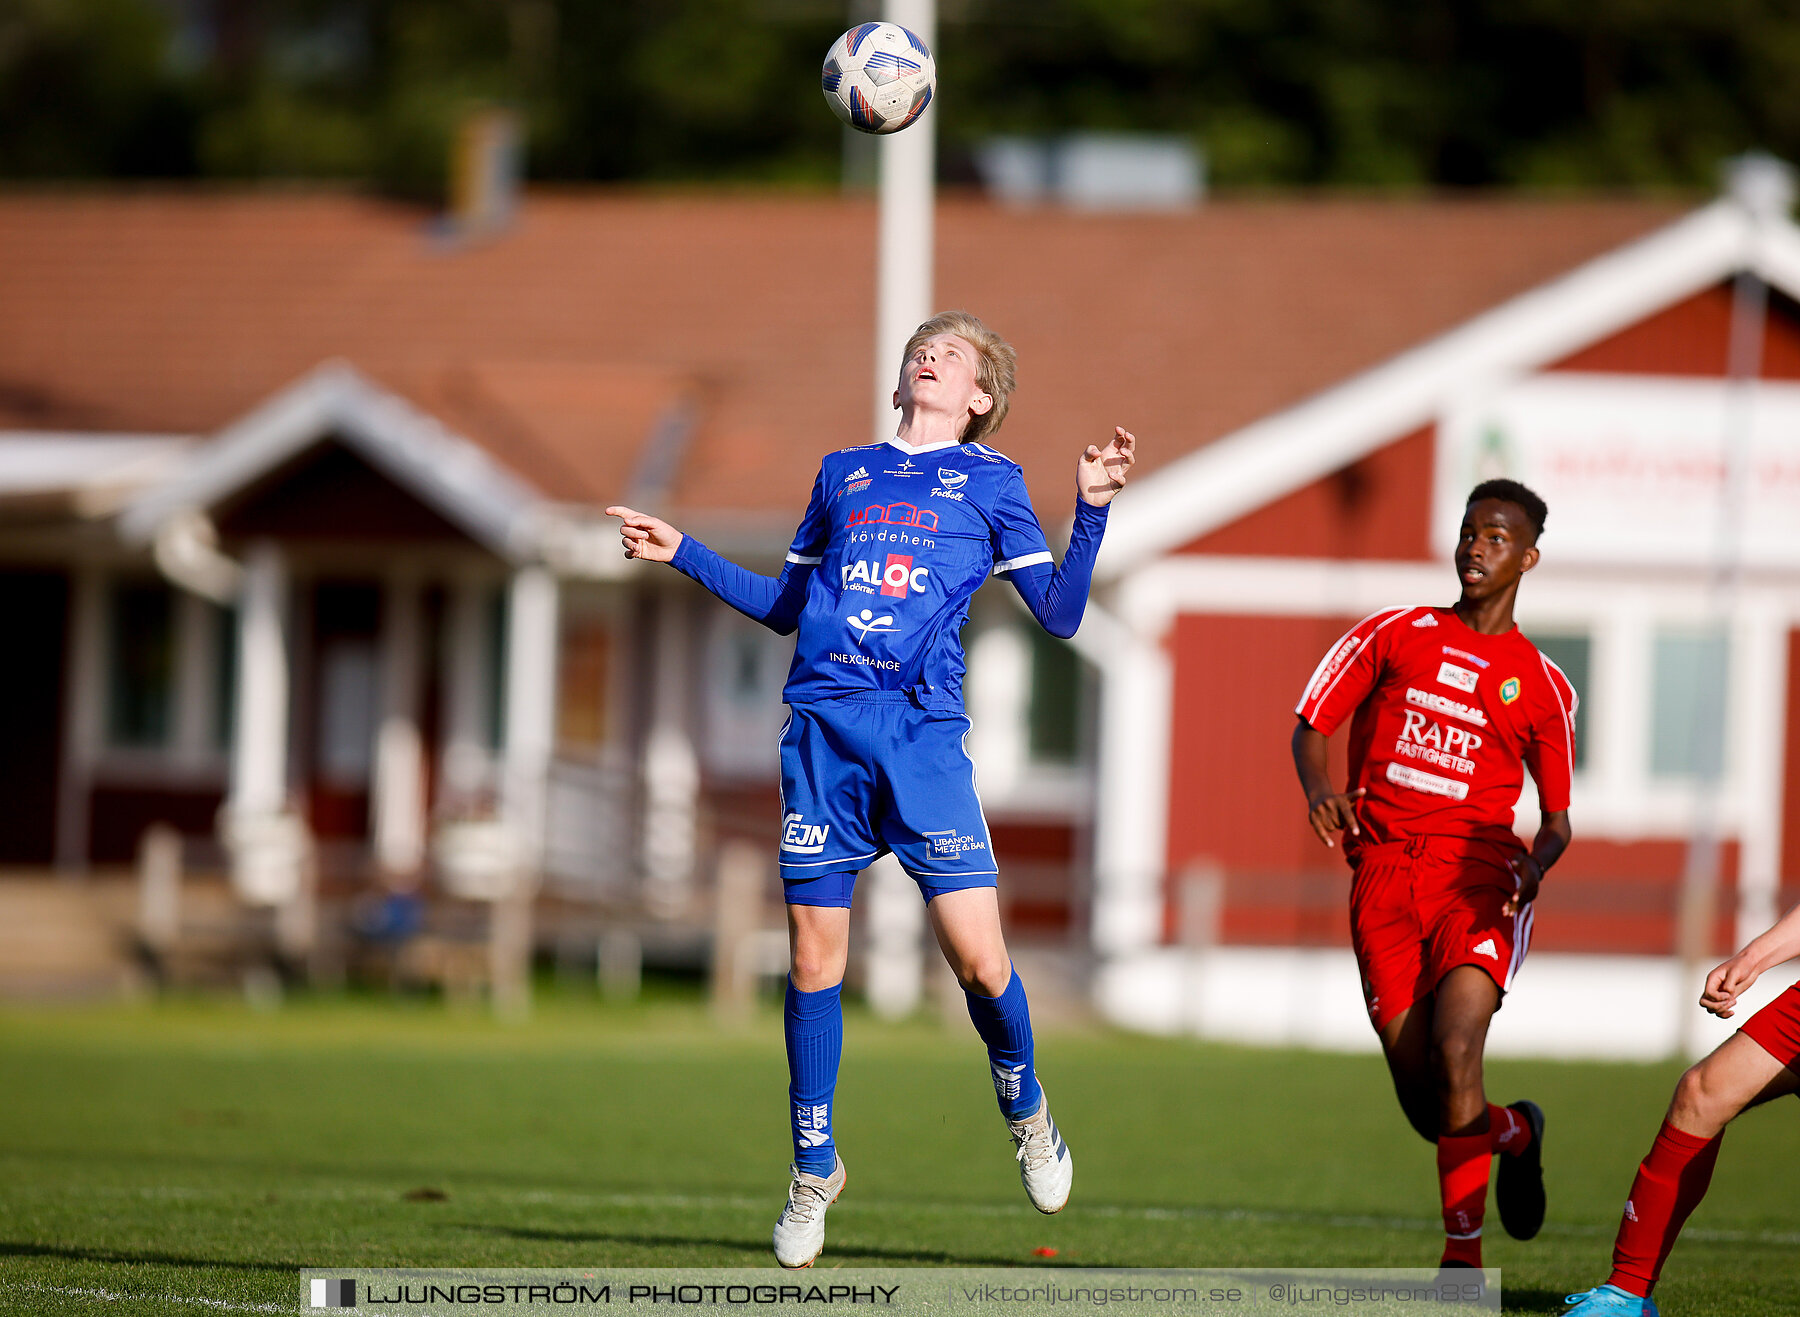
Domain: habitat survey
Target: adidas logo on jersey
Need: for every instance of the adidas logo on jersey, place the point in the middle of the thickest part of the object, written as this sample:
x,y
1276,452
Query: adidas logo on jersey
x,y
1486,947
861,473
1427,620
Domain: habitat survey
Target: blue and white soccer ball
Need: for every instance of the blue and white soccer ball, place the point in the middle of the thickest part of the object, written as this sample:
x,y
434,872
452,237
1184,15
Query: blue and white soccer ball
x,y
879,77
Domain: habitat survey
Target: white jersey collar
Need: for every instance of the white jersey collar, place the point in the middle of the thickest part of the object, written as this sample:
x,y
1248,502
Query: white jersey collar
x,y
928,448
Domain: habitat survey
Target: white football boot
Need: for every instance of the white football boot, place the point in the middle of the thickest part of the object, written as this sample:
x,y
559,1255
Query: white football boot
x,y
800,1229
1045,1166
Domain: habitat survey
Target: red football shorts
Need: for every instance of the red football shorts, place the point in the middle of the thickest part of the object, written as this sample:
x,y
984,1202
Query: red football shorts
x,y
1776,1028
1423,906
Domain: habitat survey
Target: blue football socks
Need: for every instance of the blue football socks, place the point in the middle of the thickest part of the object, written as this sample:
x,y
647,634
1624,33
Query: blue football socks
x,y
814,1025
1004,1023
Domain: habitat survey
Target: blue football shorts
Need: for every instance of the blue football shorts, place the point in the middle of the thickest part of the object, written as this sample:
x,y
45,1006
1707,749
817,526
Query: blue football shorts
x,y
862,777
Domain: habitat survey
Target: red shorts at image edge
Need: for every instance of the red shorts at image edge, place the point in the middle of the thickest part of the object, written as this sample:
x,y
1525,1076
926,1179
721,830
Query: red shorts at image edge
x,y
1421,907
1776,1028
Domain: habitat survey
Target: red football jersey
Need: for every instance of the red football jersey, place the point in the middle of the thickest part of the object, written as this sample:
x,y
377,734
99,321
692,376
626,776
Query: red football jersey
x,y
1444,719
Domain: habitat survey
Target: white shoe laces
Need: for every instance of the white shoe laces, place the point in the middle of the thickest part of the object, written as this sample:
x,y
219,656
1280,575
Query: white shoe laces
x,y
806,1201
1036,1147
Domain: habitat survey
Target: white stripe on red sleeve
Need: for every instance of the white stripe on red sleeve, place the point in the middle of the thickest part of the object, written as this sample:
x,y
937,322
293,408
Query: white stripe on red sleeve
x,y
1314,697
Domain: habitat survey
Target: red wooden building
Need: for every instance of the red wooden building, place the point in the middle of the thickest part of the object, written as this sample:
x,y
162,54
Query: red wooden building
x,y
1669,590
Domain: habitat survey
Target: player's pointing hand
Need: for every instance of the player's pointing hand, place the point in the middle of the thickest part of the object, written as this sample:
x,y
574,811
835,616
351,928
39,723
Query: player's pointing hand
x,y
1104,471
646,537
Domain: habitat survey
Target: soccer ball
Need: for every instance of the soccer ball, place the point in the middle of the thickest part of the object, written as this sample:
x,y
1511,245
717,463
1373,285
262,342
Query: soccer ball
x,y
878,77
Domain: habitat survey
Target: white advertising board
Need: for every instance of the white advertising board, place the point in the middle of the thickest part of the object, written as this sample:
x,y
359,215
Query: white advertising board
x,y
1632,467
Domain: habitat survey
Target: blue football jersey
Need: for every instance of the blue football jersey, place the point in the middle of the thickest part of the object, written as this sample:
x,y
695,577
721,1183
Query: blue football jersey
x,y
901,539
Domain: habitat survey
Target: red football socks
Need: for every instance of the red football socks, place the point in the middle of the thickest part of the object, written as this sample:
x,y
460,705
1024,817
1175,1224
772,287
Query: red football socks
x,y
1463,1162
1670,1183
1508,1131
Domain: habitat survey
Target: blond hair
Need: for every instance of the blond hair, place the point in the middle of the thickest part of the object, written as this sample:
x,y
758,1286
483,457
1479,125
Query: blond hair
x,y
996,365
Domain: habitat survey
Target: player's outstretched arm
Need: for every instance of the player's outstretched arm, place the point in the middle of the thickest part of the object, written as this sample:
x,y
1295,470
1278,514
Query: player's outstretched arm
x,y
1328,811
645,536
1104,471
1732,977
1058,597
775,601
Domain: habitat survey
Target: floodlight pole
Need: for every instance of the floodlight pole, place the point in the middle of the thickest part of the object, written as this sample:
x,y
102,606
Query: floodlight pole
x,y
1764,190
903,252
907,183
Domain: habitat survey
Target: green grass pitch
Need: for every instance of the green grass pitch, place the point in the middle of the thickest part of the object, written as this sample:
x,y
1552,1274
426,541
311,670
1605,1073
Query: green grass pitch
x,y
196,1149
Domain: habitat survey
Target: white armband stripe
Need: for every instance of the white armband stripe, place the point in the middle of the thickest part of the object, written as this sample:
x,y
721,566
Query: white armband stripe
x,y
804,561
1028,560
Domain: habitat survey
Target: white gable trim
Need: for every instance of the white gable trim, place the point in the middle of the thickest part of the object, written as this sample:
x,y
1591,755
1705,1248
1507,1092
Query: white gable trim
x,y
413,449
1290,449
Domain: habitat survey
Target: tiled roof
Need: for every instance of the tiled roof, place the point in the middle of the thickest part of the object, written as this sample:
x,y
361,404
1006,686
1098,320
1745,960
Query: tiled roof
x,y
564,343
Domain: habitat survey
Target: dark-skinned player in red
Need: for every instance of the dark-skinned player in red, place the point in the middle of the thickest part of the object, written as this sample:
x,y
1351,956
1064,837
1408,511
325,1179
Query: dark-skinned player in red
x,y
1447,707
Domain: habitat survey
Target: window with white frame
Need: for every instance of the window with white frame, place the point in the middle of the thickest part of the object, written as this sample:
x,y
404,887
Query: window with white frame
x,y
1026,694
1688,690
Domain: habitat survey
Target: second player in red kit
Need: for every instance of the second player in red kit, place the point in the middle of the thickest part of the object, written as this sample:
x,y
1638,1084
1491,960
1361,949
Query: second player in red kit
x,y
1447,708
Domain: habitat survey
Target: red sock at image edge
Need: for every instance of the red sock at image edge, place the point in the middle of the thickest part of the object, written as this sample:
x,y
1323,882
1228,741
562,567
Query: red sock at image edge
x,y
1670,1183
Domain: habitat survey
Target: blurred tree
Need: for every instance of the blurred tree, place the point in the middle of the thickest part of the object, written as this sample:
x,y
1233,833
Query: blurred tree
x,y
1366,93
685,89
84,90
